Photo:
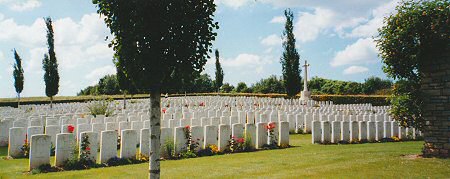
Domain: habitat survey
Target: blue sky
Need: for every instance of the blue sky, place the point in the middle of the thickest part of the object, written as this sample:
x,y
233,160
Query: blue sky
x,y
334,36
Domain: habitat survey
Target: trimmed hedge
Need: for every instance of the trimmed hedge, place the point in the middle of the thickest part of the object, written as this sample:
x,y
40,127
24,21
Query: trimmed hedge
x,y
376,100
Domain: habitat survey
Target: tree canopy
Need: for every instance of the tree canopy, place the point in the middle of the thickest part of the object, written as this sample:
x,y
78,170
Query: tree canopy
x,y
18,73
415,34
219,71
149,53
290,60
50,65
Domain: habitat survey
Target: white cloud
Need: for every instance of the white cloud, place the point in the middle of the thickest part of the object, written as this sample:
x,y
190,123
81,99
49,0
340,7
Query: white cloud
x,y
28,36
79,45
278,19
272,40
370,28
244,60
25,6
310,25
100,72
355,70
233,3
363,51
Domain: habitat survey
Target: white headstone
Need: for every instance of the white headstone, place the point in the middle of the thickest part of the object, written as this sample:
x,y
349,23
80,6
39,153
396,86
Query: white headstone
x,y
17,136
316,132
128,143
283,140
93,146
210,135
179,140
108,145
224,136
65,144
39,150
144,142
261,135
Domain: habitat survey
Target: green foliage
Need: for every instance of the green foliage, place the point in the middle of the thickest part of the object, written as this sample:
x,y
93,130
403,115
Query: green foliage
x,y
290,61
372,84
417,33
227,88
18,74
90,90
100,107
407,104
149,53
108,85
241,87
124,82
50,66
168,149
44,169
269,85
219,71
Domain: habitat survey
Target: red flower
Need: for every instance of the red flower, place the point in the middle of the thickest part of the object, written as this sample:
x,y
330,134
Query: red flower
x,y
240,140
25,141
270,126
187,127
70,128
88,148
164,110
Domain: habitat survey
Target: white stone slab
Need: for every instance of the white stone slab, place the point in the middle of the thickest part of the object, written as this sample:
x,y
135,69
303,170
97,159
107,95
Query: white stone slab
x,y
40,146
17,136
224,136
128,143
211,135
64,149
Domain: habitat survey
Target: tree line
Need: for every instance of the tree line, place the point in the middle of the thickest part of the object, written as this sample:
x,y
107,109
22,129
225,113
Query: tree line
x,y
109,85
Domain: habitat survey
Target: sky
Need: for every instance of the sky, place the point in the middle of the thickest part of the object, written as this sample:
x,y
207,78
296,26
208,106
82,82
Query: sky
x,y
336,37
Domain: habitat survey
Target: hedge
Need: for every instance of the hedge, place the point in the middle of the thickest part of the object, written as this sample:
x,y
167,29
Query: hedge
x,y
376,100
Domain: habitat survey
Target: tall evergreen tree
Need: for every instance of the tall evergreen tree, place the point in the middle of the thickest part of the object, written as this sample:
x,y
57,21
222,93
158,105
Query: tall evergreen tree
x,y
290,61
50,66
219,72
18,76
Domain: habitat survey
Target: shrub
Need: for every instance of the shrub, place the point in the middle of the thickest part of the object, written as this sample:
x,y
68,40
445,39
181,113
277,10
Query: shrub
x,y
100,107
25,148
44,169
168,149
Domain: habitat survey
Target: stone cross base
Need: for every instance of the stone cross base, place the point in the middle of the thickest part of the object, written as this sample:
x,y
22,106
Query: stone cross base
x,y
306,95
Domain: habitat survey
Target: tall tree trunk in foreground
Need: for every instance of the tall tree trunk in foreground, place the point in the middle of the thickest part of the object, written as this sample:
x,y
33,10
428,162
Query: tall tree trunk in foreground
x,y
155,132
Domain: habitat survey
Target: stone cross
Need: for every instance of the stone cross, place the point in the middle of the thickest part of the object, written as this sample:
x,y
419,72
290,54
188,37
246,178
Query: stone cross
x,y
305,80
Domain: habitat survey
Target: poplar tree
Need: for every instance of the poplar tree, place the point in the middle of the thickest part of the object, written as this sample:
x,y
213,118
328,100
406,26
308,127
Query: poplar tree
x,y
18,76
219,72
290,60
50,65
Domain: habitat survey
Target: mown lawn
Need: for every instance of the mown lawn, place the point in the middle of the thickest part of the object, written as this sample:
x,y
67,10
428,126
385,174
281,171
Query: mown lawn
x,y
380,160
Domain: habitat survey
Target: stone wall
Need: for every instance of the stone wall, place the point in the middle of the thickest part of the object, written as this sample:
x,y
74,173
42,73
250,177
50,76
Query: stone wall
x,y
436,86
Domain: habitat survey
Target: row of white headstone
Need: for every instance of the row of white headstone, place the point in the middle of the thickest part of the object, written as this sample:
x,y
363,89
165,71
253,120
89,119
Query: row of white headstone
x,y
326,132
106,141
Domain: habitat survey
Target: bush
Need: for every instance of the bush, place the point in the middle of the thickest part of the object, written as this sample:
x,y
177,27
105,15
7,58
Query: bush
x,y
100,107
44,169
168,149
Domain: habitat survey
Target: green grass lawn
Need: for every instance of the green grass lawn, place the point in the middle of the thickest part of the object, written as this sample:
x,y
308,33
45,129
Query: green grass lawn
x,y
379,160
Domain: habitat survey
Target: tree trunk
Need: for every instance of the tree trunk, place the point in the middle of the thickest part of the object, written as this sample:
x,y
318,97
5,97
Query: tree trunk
x,y
155,132
124,101
51,102
18,100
